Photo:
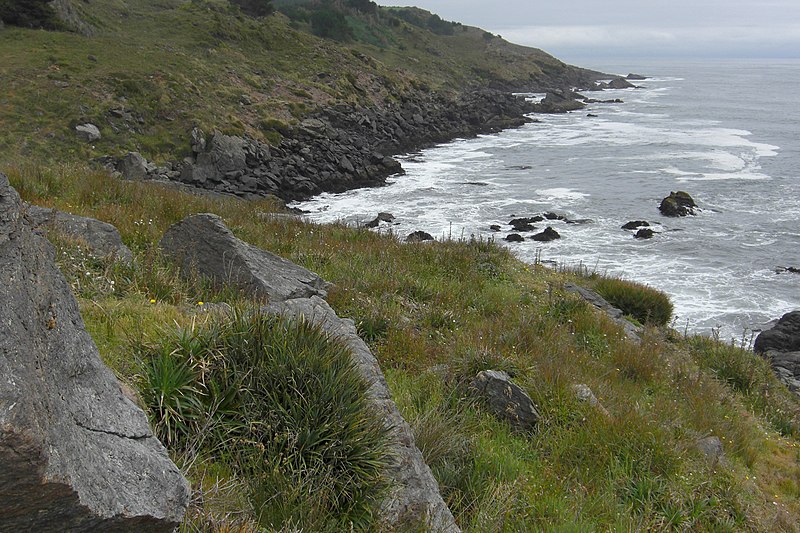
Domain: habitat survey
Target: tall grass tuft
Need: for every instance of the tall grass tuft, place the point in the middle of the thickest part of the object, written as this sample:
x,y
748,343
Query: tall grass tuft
x,y
645,304
278,403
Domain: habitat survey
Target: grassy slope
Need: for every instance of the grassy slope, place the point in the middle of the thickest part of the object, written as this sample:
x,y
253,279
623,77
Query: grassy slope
x,y
174,64
434,316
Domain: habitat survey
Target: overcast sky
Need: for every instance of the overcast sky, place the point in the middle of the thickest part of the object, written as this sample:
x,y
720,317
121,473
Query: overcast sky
x,y
620,29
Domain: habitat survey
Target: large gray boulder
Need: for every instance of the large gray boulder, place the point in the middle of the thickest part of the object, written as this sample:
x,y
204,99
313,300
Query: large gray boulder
x,y
414,494
88,132
220,158
505,399
75,453
203,244
780,345
101,238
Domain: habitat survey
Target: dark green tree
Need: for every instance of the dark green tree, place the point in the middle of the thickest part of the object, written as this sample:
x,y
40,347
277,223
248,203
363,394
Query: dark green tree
x,y
330,23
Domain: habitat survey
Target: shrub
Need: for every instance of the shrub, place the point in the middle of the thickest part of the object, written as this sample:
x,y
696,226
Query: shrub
x,y
645,304
281,405
255,8
329,23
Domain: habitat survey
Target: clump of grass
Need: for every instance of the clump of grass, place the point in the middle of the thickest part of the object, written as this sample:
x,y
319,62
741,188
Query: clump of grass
x,y
278,403
645,304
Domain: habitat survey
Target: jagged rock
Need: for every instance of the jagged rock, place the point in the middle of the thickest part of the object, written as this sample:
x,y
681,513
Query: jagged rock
x,y
419,236
413,494
559,102
644,233
71,19
88,132
790,270
677,204
514,237
134,167
635,77
505,399
101,238
382,217
620,83
75,453
549,234
635,224
494,227
780,345
631,331
522,224
585,394
197,140
203,244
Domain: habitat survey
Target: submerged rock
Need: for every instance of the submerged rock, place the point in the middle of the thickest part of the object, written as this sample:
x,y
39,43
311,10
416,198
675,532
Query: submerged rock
x,y
382,217
75,453
635,224
644,233
514,237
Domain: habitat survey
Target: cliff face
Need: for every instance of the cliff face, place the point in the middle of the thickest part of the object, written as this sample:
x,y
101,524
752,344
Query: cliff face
x,y
75,453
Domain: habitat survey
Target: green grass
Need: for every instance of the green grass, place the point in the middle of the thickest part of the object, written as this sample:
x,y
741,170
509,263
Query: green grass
x,y
434,316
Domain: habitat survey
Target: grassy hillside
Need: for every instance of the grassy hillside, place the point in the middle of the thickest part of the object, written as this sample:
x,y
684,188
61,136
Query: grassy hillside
x,y
153,69
435,315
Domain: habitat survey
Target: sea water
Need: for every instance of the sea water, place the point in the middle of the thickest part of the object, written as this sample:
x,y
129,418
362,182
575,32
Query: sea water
x,y
728,133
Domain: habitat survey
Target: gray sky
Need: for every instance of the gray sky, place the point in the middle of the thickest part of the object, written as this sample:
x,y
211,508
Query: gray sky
x,y
611,29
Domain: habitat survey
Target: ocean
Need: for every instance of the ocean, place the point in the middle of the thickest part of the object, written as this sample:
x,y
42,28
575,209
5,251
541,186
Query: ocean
x,y
726,132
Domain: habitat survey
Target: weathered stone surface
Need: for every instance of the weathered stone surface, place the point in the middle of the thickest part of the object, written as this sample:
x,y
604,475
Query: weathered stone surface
x,y
203,244
677,204
88,132
414,493
101,238
505,399
559,101
71,18
419,236
75,453
631,331
134,167
711,448
620,83
549,234
781,346
382,217
585,394
644,233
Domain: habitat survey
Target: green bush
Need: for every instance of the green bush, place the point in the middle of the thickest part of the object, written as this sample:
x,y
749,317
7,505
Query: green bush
x,y
645,304
280,405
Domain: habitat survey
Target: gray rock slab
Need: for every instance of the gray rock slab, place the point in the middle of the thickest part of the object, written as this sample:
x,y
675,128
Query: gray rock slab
x,y
101,238
415,493
203,244
88,132
75,453
505,399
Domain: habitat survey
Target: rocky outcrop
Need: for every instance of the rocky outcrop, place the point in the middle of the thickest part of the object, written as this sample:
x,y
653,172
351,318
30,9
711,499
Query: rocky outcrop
x,y
341,147
560,101
780,345
71,18
677,204
75,453
382,217
549,234
505,399
644,233
202,244
514,237
101,238
631,331
620,83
